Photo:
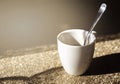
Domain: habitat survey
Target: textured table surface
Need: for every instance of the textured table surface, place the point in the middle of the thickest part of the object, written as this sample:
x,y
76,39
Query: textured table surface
x,y
41,65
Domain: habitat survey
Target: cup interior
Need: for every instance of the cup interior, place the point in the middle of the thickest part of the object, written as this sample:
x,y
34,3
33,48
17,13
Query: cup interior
x,y
75,37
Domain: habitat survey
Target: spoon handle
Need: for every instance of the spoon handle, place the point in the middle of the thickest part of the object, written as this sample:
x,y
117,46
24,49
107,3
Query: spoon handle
x,y
99,14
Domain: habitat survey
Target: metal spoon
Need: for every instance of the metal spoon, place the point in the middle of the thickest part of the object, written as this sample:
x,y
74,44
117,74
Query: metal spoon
x,y
99,14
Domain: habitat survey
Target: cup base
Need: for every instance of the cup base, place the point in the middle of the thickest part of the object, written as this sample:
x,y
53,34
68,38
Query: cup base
x,y
74,73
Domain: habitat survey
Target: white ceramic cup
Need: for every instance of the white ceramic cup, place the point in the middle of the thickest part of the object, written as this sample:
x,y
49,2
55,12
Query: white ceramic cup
x,y
74,56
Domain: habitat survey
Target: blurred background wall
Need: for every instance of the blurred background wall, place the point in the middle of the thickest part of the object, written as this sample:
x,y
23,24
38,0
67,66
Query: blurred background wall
x,y
28,23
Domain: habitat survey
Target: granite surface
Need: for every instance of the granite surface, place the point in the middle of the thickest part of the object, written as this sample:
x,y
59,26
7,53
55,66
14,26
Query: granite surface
x,y
41,65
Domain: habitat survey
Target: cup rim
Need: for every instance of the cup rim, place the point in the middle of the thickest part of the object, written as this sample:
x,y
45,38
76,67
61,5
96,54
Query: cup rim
x,y
74,45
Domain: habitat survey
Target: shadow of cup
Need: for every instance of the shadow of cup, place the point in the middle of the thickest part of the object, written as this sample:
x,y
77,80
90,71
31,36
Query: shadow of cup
x,y
104,65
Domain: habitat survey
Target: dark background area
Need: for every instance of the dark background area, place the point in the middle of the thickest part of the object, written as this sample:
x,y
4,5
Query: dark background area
x,y
110,23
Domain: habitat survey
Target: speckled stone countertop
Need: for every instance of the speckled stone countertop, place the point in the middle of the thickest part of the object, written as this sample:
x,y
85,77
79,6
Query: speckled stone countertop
x,y
41,65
